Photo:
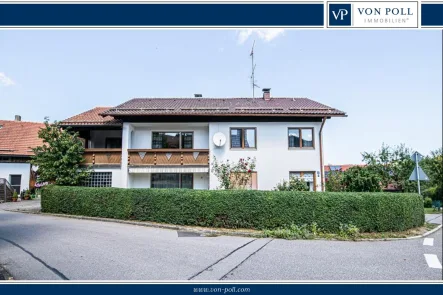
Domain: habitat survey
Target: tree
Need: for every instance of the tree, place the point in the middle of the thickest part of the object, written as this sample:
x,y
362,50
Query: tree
x,y
234,175
393,165
60,156
294,184
433,166
334,182
361,179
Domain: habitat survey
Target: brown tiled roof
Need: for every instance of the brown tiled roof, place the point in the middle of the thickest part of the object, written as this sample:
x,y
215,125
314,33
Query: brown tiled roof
x,y
91,117
223,107
17,137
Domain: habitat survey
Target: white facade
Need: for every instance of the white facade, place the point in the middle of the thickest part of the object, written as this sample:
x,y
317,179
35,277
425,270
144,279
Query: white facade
x,y
23,169
274,159
139,136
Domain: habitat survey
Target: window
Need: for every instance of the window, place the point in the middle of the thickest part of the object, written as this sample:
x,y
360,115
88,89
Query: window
x,y
16,181
99,179
113,143
308,177
243,138
187,180
187,138
172,180
172,140
301,137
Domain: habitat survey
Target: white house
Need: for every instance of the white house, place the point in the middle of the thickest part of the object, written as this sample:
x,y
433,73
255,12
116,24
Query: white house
x,y
171,142
16,140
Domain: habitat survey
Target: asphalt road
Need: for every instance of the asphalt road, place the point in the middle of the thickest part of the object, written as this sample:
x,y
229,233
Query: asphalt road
x,y
38,247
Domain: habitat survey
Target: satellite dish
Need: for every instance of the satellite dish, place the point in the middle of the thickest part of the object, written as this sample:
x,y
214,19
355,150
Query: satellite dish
x,y
219,139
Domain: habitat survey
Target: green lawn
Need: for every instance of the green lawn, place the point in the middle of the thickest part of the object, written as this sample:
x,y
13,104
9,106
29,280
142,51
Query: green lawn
x,y
432,211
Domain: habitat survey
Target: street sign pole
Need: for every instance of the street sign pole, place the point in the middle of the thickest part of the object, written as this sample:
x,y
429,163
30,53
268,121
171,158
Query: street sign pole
x,y
418,174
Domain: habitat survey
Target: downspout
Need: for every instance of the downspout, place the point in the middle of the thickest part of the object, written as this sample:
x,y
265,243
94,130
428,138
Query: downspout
x,y
321,154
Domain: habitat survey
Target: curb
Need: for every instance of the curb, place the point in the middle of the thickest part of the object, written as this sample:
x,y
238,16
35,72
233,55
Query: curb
x,y
203,231
408,238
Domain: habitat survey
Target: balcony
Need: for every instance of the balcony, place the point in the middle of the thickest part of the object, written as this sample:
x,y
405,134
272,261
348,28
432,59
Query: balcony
x,y
102,157
168,157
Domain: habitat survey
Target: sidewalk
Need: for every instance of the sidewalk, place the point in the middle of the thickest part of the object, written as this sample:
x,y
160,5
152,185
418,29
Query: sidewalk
x,y
433,218
28,206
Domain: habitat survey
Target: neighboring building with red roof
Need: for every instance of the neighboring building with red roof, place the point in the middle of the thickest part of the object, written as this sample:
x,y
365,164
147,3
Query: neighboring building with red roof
x,y
16,140
340,167
172,142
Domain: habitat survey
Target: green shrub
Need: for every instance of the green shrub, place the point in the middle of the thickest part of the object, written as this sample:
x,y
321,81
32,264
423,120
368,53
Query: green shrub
x,y
294,184
428,202
293,232
434,192
348,230
252,209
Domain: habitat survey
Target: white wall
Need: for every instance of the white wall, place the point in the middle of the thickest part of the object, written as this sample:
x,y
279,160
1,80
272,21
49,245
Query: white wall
x,y
140,180
127,134
142,135
273,158
201,180
98,137
116,175
23,169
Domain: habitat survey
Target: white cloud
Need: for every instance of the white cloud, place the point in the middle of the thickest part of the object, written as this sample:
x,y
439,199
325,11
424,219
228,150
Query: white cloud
x,y
5,80
265,34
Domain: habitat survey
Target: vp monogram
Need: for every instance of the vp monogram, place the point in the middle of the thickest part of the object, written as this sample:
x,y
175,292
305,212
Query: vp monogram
x,y
341,13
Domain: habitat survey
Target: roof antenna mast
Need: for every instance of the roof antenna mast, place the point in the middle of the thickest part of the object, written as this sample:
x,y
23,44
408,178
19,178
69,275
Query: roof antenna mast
x,y
253,71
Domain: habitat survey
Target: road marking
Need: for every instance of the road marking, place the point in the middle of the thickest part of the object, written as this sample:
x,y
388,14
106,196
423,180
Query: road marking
x,y
432,261
428,242
224,266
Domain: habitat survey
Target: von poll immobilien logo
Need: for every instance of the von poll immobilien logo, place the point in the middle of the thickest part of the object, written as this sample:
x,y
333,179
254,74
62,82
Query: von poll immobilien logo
x,y
375,14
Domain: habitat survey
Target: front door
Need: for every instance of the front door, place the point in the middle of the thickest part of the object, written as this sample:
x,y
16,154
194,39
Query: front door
x,y
16,181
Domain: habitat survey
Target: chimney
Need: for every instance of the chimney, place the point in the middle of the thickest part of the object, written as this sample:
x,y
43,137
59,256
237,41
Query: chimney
x,y
267,93
18,118
198,95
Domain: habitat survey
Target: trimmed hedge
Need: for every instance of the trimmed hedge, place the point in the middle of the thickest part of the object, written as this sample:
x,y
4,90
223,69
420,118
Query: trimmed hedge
x,y
241,208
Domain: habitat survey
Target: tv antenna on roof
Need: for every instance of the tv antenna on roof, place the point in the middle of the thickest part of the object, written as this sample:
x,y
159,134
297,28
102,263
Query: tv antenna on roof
x,y
253,72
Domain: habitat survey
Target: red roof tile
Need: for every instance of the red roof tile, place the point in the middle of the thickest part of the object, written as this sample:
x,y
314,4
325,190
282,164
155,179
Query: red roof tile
x,y
343,167
91,117
17,137
223,107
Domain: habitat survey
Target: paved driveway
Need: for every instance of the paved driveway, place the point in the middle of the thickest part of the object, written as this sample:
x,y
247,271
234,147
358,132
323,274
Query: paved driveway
x,y
433,218
45,247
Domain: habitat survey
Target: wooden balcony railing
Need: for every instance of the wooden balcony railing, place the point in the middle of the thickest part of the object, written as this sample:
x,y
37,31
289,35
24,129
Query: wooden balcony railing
x,y
102,157
168,157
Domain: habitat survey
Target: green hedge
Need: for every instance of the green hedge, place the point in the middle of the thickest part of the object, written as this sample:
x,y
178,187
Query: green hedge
x,y
241,208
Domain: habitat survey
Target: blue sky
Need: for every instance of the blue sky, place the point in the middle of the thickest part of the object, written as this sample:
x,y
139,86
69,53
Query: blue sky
x,y
389,82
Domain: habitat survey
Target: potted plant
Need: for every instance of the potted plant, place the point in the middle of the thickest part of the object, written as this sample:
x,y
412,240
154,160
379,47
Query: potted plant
x,y
14,196
27,195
